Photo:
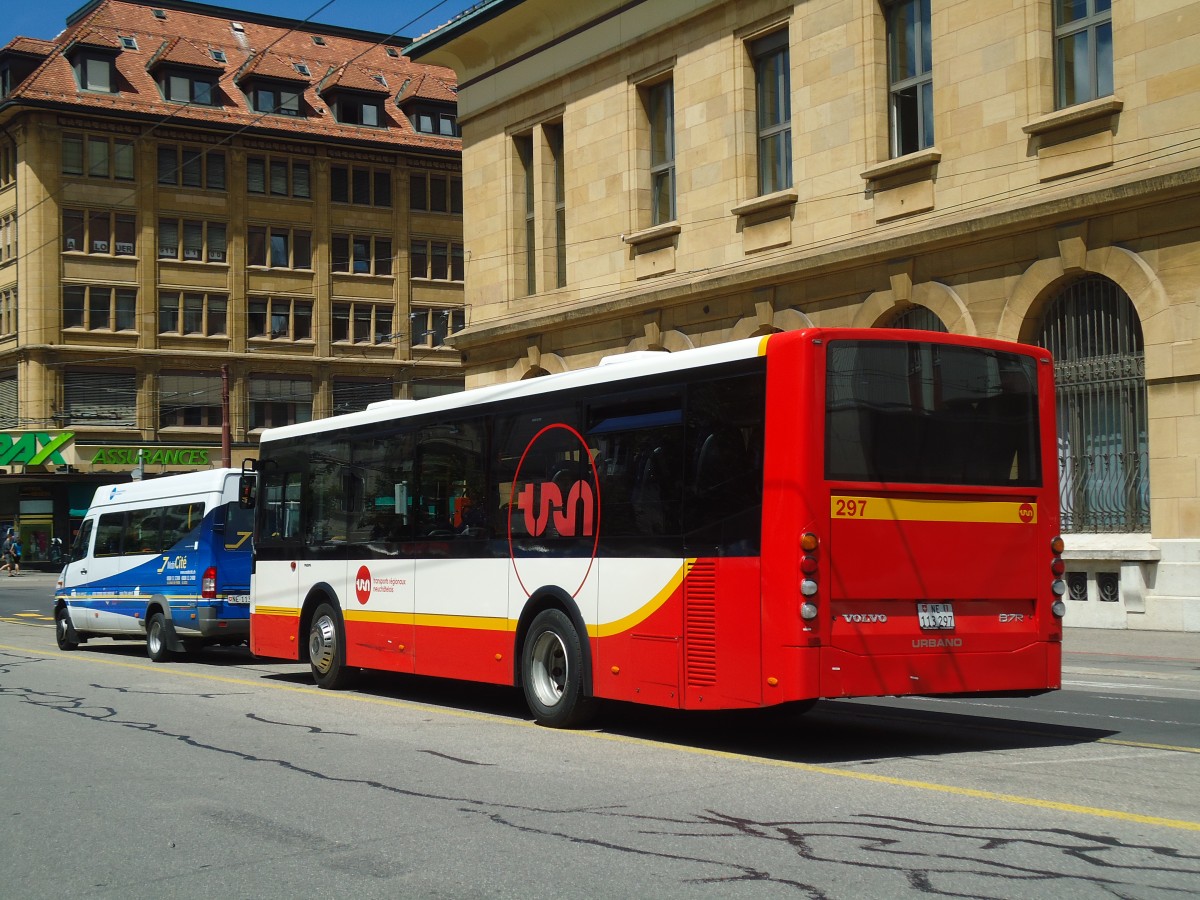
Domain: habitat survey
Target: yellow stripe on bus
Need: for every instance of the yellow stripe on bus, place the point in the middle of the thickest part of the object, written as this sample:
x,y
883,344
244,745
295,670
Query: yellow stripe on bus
x,y
289,611
891,509
644,612
494,623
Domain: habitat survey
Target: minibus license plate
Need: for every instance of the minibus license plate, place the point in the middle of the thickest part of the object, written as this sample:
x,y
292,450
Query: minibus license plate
x,y
935,616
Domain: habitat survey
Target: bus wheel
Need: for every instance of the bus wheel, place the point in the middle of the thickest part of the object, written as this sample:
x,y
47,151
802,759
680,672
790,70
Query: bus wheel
x,y
156,638
552,672
62,630
327,650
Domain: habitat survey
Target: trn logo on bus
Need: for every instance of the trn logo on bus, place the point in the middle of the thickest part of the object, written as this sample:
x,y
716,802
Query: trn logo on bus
x,y
566,515
559,504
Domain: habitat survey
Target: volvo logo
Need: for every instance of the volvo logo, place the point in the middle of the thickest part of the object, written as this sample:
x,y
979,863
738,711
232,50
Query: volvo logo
x,y
864,617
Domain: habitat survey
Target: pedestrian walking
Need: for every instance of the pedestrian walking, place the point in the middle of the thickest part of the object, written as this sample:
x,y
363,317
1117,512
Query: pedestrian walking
x,y
14,553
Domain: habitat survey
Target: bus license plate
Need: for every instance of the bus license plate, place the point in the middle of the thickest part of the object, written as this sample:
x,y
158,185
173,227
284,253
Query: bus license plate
x,y
935,616
239,599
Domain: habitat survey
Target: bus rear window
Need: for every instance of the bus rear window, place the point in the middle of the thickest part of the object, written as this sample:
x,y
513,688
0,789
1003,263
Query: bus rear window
x,y
927,413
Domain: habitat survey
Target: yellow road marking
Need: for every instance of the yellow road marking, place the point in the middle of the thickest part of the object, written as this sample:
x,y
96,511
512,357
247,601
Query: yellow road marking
x,y
973,793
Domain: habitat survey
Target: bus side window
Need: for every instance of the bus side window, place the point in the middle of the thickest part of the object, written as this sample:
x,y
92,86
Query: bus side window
x,y
450,479
281,506
79,550
179,522
108,534
238,526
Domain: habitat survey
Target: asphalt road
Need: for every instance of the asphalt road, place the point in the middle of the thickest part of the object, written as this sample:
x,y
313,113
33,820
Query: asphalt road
x,y
229,776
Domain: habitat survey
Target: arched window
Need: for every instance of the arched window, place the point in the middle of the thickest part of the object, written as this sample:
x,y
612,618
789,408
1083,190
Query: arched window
x,y
1092,329
919,317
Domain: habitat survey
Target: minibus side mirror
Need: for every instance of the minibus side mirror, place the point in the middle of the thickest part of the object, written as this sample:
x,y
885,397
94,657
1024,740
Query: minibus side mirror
x,y
247,485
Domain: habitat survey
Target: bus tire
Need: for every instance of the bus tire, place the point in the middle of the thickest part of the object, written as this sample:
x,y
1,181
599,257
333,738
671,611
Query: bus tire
x,y
552,662
64,632
156,638
327,650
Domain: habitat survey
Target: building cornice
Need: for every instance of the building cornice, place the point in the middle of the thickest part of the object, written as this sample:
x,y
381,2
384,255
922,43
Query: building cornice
x,y
918,237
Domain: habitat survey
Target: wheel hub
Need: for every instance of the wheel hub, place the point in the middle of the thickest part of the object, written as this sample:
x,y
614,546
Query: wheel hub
x,y
322,644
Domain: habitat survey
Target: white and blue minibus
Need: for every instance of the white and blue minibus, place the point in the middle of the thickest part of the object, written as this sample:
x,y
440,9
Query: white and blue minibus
x,y
166,560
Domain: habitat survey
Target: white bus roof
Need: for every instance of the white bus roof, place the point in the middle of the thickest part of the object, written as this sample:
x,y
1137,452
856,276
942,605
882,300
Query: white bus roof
x,y
613,368
165,488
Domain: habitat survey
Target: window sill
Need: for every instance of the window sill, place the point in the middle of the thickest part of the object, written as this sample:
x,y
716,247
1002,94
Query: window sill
x,y
903,165
780,201
1063,119
651,234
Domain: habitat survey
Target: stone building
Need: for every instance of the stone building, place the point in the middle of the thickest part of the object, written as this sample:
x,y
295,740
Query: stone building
x,y
670,173
194,198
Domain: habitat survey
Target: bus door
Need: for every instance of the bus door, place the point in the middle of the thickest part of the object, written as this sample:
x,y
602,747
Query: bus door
x,y
461,598
280,541
108,584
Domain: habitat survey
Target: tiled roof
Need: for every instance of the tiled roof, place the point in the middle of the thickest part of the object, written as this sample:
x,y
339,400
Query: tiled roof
x,y
427,87
355,78
29,47
263,46
181,52
270,65
100,38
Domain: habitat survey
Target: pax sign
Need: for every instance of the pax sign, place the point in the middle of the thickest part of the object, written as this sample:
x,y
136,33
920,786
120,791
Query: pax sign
x,y
34,448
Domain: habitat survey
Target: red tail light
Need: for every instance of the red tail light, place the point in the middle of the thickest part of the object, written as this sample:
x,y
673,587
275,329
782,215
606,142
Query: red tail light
x,y
808,584
208,584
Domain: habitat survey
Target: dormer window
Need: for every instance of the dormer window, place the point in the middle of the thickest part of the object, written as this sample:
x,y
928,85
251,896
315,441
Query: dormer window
x,y
429,120
95,71
183,86
358,109
276,99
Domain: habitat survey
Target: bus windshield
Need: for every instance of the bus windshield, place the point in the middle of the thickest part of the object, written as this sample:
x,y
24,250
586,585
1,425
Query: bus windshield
x,y
911,412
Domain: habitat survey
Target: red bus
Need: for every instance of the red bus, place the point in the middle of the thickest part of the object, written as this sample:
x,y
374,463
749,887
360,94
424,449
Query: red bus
x,y
813,514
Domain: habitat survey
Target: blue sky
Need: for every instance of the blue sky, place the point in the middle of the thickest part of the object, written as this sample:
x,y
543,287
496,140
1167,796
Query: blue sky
x,y
411,18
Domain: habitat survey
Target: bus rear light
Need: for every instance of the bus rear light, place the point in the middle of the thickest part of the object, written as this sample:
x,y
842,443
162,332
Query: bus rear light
x,y
208,583
1058,608
808,542
1057,546
1058,567
808,565
808,611
1059,587
808,587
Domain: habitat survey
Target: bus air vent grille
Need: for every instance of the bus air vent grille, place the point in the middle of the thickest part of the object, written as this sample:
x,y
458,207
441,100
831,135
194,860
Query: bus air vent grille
x,y
700,622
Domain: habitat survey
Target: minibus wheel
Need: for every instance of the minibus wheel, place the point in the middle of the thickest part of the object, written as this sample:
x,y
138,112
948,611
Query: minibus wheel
x,y
327,650
552,672
63,630
156,638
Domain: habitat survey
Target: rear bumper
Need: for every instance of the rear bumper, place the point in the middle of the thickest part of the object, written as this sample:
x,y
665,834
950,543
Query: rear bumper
x,y
1031,669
